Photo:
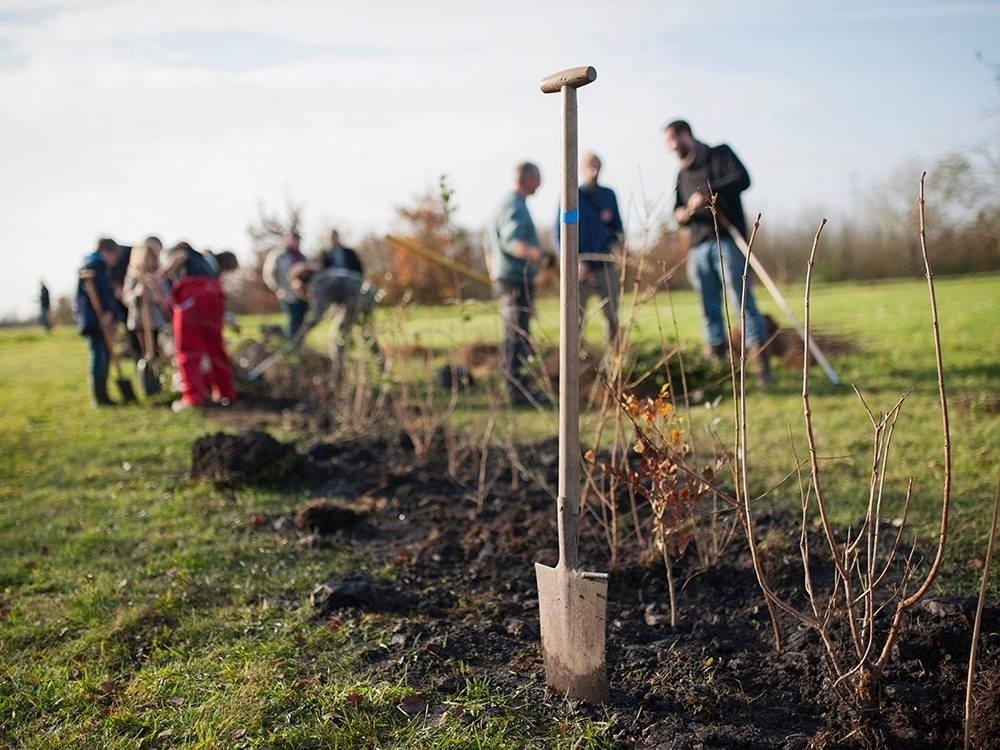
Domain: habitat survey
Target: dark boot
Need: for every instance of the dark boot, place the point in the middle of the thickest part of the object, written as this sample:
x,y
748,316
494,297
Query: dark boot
x,y
761,362
718,352
100,393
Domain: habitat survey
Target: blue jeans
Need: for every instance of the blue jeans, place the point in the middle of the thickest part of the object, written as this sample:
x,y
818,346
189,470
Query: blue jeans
x,y
296,312
705,274
100,361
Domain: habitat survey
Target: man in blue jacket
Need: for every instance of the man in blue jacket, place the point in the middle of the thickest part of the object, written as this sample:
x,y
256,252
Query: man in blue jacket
x,y
96,314
601,233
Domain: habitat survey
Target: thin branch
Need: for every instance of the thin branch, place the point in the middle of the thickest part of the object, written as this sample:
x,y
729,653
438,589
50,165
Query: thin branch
x,y
946,431
981,604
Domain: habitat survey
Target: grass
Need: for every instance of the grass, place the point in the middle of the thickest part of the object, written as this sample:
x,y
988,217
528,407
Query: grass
x,y
889,326
138,608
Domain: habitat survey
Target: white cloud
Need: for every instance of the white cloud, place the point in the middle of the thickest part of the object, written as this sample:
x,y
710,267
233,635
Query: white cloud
x,y
130,117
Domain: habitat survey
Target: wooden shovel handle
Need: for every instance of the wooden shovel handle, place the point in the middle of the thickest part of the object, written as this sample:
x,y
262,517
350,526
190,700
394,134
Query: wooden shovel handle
x,y
572,77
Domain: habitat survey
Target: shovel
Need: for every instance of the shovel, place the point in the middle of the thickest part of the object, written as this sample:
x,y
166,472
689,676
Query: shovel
x,y
149,381
123,383
572,603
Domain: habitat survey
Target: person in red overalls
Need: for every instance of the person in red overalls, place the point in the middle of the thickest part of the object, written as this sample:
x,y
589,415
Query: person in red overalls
x,y
198,314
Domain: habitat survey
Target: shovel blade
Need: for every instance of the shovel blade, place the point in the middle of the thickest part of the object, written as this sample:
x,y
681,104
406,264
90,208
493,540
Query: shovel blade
x,y
149,382
573,615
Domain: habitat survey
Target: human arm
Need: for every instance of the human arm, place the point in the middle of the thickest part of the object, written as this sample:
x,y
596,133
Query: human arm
x,y
517,236
681,213
727,172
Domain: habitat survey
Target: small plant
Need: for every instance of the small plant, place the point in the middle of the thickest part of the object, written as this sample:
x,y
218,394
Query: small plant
x,y
858,613
677,497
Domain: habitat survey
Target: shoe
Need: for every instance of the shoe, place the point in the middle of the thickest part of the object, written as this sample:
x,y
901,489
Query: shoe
x,y
533,399
180,405
718,352
762,365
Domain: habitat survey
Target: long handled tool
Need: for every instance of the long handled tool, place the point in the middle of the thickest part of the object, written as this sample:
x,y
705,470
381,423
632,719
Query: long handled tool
x,y
272,359
123,383
765,278
435,257
572,603
254,373
149,381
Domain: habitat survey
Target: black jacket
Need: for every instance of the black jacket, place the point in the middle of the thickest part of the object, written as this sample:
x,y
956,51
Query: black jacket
x,y
349,260
716,169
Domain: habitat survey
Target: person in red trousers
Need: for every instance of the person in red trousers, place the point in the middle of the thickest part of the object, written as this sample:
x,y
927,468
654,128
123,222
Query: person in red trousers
x,y
197,319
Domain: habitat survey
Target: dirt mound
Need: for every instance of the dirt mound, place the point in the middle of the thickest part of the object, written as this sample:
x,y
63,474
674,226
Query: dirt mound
x,y
785,345
460,600
251,458
325,517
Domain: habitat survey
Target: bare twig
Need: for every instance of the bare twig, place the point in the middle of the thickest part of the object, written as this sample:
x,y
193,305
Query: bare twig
x,y
917,595
980,605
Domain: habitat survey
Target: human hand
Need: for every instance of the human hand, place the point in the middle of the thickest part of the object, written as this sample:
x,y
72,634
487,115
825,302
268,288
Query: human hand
x,y
543,259
696,201
682,215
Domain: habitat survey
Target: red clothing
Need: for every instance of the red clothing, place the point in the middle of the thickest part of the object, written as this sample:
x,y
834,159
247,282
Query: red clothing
x,y
198,308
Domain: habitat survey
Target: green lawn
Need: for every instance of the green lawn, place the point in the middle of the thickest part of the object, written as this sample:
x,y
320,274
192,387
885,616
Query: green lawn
x,y
138,610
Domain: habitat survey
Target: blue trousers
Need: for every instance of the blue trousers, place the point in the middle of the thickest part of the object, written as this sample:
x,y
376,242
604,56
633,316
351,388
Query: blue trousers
x,y
706,273
296,312
100,362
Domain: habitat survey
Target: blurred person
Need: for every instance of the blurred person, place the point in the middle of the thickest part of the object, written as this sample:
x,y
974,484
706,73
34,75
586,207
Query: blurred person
x,y
276,266
45,307
198,309
143,286
117,273
514,259
336,255
601,234
706,171
352,300
96,314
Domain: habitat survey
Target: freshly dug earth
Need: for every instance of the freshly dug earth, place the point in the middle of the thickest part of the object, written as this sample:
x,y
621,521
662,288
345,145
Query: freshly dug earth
x,y
464,601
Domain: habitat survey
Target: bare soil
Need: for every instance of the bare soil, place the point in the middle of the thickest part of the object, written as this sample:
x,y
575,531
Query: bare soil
x,y
464,601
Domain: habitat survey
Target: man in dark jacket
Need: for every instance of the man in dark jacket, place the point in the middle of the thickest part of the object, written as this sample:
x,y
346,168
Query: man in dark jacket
x,y
96,308
707,172
45,307
340,256
601,234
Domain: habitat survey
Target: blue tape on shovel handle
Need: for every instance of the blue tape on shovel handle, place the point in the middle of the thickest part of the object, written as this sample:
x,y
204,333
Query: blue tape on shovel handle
x,y
571,217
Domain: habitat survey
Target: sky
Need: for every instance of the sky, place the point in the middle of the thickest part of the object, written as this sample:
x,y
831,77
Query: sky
x,y
134,117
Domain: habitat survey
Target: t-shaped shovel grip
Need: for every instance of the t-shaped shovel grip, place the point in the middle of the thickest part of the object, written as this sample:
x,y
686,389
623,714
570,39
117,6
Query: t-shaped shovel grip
x,y
572,77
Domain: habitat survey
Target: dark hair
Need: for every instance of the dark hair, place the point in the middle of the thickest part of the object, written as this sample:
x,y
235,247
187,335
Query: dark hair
x,y
106,243
181,246
227,260
678,126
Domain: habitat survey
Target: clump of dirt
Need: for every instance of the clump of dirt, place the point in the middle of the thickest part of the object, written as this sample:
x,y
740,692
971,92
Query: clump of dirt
x,y
249,458
463,601
325,517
